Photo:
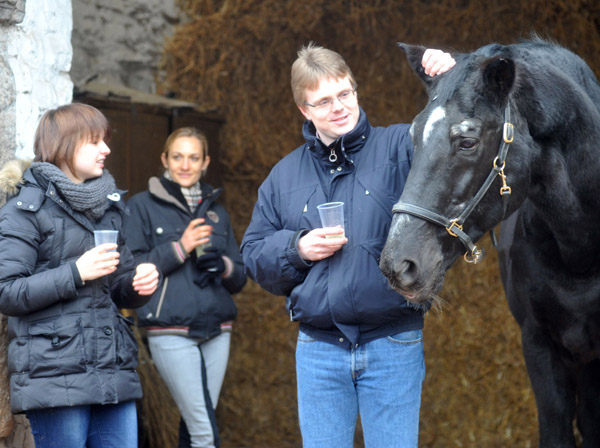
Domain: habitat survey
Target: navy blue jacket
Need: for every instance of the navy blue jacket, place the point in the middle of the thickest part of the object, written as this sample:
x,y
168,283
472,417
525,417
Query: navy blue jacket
x,y
68,344
343,299
157,219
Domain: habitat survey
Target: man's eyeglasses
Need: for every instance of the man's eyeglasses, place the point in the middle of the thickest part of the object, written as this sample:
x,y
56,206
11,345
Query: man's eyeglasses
x,y
346,97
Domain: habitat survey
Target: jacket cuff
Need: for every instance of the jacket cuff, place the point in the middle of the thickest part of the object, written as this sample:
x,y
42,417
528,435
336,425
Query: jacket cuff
x,y
228,266
180,252
76,276
293,255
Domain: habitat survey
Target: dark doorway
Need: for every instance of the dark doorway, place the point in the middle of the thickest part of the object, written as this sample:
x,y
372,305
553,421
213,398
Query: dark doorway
x,y
140,124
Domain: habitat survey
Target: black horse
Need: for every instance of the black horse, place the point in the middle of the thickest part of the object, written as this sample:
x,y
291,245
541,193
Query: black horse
x,y
512,134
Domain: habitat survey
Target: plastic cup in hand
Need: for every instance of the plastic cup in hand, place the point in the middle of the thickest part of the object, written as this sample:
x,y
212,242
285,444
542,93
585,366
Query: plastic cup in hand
x,y
200,249
332,215
105,236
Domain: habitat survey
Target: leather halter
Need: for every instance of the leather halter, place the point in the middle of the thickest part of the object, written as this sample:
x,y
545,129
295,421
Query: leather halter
x,y
455,226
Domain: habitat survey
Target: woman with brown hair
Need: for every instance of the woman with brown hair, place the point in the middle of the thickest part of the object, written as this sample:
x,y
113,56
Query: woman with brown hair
x,y
72,356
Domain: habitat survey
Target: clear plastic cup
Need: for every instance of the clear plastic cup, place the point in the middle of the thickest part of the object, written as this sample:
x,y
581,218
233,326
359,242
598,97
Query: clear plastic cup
x,y
105,236
332,215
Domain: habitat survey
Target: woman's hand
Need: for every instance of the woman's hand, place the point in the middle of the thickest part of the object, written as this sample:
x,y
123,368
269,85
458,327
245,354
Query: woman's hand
x,y
98,262
145,279
195,234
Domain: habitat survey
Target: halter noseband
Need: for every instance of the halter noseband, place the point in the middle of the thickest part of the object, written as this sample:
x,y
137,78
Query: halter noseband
x,y
455,226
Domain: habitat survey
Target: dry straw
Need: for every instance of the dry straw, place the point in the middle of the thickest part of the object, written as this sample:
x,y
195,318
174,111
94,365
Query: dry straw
x,y
234,57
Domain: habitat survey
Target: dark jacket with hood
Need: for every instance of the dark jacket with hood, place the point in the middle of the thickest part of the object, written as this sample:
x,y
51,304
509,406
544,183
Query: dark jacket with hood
x,y
68,344
158,218
343,299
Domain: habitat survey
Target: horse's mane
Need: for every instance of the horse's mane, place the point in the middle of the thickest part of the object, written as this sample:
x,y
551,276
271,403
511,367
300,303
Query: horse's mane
x,y
538,60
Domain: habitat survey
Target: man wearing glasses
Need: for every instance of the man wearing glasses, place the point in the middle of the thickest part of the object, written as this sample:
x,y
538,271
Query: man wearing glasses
x,y
359,348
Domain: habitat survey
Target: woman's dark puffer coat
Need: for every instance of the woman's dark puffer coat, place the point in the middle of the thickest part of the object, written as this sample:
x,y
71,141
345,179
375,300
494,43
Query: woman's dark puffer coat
x,y
68,343
157,219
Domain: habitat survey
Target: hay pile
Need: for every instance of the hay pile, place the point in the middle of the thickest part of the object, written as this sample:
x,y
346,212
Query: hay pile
x,y
234,56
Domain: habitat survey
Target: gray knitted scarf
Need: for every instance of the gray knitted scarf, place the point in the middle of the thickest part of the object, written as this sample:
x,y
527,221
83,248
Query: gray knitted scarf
x,y
89,197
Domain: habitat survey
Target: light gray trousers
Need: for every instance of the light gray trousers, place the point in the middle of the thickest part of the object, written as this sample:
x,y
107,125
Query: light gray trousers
x,y
179,359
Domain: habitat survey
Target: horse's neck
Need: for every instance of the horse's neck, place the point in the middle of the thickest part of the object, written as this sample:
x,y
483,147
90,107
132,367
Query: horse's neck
x,y
563,118
565,193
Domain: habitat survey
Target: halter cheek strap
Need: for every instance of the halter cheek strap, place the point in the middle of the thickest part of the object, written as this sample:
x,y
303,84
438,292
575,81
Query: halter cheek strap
x,y
455,226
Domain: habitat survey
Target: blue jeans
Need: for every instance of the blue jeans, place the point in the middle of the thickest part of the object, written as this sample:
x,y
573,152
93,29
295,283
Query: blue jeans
x,y
194,374
380,380
91,426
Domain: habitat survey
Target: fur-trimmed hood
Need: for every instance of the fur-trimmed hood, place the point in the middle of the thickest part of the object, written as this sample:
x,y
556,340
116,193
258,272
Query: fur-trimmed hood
x,y
11,176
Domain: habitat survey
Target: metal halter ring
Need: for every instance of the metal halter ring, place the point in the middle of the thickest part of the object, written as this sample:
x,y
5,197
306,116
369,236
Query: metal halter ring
x,y
474,257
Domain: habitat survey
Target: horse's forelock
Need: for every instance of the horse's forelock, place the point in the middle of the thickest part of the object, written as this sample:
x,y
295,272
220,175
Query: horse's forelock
x,y
465,82
454,79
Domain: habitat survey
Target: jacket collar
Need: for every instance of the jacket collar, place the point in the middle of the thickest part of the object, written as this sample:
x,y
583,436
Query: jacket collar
x,y
44,187
36,190
158,190
31,195
348,143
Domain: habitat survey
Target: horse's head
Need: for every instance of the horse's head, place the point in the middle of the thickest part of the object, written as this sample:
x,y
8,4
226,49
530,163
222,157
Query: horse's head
x,y
460,140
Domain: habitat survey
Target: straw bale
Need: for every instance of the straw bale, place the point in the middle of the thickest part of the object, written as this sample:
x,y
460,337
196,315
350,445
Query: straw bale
x,y
234,56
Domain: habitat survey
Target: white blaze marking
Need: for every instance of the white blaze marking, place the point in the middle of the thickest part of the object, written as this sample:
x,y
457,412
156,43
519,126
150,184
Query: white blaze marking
x,y
438,114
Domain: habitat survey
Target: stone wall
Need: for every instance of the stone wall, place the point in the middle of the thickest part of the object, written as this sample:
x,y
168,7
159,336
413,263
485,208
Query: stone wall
x,y
7,110
120,41
38,51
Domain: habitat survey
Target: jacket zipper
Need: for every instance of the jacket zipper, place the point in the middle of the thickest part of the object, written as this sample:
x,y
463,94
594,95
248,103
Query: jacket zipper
x,y
162,297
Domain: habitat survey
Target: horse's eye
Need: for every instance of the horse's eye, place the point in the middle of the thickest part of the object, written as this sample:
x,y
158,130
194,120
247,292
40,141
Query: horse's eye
x,y
468,143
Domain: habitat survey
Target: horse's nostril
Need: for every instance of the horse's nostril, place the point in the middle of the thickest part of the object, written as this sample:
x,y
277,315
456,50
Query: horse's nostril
x,y
403,274
407,273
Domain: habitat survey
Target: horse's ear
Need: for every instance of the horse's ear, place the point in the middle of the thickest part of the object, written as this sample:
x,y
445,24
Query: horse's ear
x,y
414,54
498,77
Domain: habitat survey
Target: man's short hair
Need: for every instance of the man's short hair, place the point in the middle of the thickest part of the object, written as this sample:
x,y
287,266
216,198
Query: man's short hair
x,y
313,64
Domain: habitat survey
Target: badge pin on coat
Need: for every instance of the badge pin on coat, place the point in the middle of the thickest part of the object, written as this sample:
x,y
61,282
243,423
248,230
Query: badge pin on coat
x,y
212,215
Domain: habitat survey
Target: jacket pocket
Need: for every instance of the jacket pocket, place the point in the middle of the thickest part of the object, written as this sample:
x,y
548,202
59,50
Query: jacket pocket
x,y
300,207
161,298
126,350
384,305
58,243
18,356
149,313
55,350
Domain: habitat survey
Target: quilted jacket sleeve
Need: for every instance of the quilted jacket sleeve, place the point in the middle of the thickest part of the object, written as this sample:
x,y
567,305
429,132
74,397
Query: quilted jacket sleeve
x,y
21,290
236,281
122,290
139,240
269,251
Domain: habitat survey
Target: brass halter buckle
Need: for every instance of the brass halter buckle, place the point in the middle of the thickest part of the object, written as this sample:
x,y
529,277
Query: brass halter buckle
x,y
508,132
504,189
453,224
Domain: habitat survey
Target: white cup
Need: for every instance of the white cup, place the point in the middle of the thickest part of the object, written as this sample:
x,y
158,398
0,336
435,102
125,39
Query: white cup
x,y
332,215
105,236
